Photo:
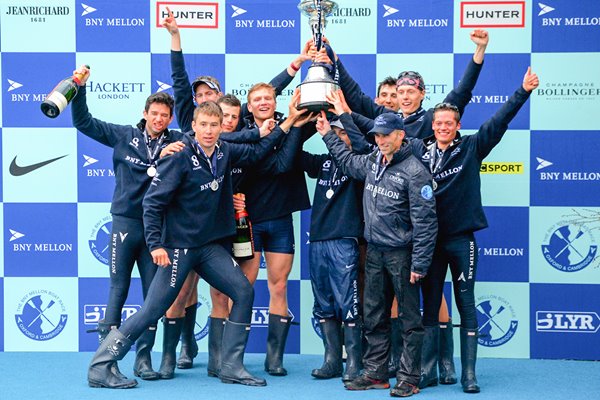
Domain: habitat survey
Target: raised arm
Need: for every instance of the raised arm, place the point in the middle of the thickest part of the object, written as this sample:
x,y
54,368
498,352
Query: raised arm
x,y
492,131
360,145
103,132
356,98
184,102
461,95
351,164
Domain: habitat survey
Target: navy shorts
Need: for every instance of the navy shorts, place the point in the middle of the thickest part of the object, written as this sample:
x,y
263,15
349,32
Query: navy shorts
x,y
274,236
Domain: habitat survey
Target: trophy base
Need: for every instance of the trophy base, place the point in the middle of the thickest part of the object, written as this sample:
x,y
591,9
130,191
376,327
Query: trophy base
x,y
314,106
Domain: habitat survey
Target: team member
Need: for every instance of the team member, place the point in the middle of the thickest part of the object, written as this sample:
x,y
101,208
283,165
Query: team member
x,y
136,150
387,96
400,228
336,224
205,88
192,191
411,92
181,316
455,162
271,200
278,161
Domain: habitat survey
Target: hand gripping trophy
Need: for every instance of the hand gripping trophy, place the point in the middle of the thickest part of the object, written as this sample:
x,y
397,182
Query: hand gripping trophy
x,y
318,82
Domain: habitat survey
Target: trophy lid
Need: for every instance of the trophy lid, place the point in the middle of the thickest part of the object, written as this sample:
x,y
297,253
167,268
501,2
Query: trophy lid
x,y
309,7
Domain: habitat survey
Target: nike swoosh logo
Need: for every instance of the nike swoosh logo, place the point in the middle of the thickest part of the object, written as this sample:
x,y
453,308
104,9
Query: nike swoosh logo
x,y
16,170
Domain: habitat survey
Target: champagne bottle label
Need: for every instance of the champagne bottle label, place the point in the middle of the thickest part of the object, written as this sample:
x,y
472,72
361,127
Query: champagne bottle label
x,y
59,100
242,249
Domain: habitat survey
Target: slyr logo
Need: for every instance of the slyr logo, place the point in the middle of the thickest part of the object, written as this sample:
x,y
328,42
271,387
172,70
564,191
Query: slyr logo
x,y
93,313
567,321
260,317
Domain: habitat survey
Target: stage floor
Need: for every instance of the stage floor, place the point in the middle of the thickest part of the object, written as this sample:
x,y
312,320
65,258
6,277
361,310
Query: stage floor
x,y
62,376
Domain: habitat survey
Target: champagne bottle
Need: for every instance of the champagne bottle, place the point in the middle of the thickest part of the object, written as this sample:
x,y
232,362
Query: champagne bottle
x,y
243,245
58,99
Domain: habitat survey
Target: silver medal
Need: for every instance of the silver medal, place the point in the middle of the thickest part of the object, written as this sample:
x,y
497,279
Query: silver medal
x,y
214,185
329,193
151,171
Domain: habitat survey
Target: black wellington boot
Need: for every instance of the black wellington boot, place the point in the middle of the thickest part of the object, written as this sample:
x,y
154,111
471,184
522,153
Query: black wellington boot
x,y
279,326
331,331
353,342
446,360
395,347
189,347
235,337
103,330
429,357
170,340
100,373
468,357
215,342
143,359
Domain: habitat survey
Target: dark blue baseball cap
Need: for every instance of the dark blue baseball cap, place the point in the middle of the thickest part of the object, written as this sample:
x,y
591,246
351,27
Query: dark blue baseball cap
x,y
387,123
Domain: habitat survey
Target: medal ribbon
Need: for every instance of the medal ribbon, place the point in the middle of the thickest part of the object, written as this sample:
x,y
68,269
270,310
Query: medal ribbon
x,y
380,169
152,153
435,159
212,161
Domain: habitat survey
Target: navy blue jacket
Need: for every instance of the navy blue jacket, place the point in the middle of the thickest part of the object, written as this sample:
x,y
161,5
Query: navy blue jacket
x,y
180,208
417,125
274,194
341,215
399,209
184,102
130,156
458,193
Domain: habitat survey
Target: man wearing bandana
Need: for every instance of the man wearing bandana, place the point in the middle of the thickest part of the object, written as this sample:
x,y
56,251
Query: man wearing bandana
x,y
411,91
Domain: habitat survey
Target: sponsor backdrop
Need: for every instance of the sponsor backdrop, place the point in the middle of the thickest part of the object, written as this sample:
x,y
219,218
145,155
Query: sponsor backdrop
x,y
539,273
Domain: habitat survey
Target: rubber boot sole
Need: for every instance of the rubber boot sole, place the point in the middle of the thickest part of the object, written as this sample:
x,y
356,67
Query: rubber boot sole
x,y
96,384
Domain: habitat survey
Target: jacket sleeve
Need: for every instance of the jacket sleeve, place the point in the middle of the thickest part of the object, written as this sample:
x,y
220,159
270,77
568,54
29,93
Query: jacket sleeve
x,y
281,81
353,165
282,159
423,218
248,154
356,99
461,95
246,135
170,172
103,132
360,145
491,132
184,103
312,163
363,123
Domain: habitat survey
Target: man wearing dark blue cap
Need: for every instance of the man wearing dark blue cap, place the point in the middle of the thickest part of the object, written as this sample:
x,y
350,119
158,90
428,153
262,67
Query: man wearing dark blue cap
x,y
400,228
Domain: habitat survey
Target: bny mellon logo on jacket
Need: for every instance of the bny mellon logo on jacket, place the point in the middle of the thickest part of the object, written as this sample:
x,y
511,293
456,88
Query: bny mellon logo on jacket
x,y
20,170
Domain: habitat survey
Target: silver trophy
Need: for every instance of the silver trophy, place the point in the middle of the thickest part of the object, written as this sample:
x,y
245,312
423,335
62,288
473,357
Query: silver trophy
x,y
318,82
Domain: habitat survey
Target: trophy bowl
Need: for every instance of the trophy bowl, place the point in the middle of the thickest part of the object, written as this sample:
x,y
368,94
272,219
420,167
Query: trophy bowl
x,y
315,88
318,82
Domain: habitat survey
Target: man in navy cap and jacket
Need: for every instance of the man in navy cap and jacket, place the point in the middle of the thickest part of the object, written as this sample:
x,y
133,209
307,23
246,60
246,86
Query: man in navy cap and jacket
x,y
400,228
